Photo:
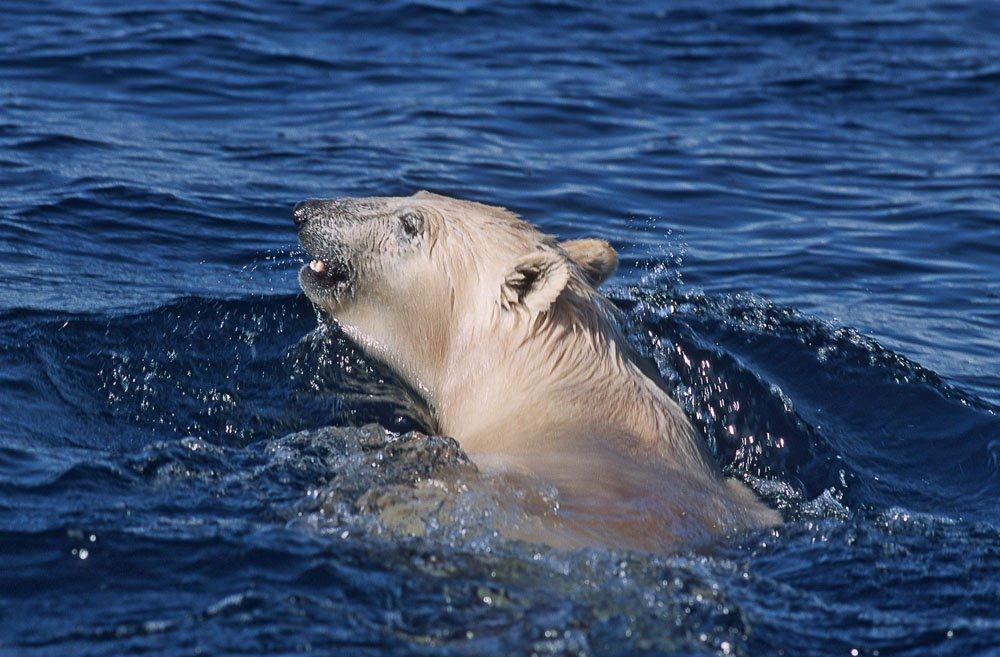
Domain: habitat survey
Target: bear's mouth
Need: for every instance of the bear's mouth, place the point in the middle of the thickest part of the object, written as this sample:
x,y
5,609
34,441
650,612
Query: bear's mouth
x,y
327,272
325,281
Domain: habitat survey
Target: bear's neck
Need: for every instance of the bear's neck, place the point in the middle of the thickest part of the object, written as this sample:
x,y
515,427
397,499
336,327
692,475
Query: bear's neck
x,y
558,389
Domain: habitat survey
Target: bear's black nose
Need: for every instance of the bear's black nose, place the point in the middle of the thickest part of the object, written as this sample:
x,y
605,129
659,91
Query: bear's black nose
x,y
303,211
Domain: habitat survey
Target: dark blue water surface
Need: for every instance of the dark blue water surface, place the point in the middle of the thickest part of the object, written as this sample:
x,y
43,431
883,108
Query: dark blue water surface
x,y
806,199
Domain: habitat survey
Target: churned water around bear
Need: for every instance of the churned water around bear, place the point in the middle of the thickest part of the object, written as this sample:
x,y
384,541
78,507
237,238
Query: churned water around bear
x,y
805,198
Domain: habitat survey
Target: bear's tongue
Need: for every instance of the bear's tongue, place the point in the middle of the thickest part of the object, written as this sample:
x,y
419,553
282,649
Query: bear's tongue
x,y
317,266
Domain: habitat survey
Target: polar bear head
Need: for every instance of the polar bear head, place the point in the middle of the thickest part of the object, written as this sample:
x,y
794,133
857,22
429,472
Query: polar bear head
x,y
413,279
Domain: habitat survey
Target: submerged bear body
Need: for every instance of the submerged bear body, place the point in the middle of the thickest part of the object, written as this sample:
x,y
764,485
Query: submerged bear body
x,y
523,361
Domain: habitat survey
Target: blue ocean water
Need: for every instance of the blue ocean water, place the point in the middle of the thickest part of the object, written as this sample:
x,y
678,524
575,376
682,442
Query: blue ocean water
x,y
806,200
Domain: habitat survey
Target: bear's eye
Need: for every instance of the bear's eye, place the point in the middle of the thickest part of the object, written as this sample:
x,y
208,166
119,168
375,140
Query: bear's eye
x,y
411,223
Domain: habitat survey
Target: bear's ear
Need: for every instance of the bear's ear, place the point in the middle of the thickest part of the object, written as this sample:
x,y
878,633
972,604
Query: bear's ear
x,y
535,281
595,258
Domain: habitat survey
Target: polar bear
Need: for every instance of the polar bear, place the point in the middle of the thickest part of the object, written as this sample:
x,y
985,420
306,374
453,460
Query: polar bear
x,y
522,360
